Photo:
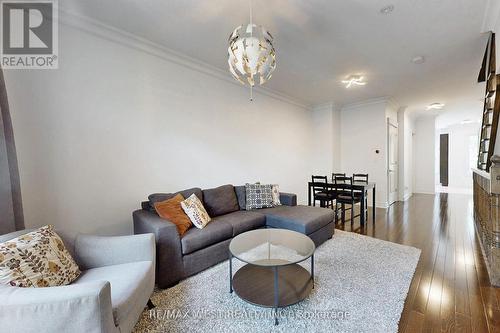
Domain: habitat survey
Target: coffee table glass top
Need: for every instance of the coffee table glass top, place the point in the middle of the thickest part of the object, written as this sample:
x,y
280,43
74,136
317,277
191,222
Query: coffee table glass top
x,y
272,247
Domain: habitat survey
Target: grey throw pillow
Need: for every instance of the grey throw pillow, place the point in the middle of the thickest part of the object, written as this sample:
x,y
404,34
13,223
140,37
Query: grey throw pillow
x,y
241,194
258,196
220,200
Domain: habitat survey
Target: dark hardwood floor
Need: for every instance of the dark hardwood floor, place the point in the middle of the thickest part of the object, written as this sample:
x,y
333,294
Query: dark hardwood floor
x,y
450,291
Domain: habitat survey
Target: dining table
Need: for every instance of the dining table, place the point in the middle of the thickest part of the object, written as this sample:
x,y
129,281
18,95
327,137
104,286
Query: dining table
x,y
362,187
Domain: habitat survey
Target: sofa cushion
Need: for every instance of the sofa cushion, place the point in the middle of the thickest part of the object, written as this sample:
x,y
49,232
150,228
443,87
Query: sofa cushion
x,y
304,219
129,282
172,211
242,221
156,197
241,194
214,232
220,200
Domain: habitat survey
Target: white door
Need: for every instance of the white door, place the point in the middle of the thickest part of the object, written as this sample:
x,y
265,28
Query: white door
x,y
392,161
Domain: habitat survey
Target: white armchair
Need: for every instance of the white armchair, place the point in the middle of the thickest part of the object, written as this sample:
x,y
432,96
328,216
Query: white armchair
x,y
116,282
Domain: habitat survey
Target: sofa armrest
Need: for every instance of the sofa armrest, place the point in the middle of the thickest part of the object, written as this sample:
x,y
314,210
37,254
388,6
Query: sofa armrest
x,y
84,307
288,199
99,251
169,264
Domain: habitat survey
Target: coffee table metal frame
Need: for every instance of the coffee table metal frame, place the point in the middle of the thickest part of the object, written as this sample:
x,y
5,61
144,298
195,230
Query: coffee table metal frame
x,y
275,269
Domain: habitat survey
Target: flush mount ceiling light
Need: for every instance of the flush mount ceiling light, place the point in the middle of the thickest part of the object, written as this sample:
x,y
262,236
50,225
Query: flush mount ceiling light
x,y
418,60
435,106
466,121
251,54
354,80
387,9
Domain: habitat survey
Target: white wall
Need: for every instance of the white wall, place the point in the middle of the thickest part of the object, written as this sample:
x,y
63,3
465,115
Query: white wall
x,y
460,174
337,137
424,143
405,135
363,131
408,155
322,149
115,124
326,138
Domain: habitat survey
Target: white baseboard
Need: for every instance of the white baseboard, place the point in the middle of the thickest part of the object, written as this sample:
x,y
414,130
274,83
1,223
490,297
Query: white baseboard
x,y
383,205
423,192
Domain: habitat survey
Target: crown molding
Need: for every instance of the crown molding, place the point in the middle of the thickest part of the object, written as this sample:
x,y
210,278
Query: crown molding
x,y
366,102
491,16
394,103
327,105
113,34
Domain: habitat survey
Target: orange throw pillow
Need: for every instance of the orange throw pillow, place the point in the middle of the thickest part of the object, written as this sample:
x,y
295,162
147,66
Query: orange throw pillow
x,y
171,210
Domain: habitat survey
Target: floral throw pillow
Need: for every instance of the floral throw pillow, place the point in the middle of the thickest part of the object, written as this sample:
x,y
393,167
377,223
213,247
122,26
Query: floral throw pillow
x,y
258,196
37,259
276,195
194,209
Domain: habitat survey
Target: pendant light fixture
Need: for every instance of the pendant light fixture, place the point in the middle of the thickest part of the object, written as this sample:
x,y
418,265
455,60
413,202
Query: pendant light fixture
x,y
251,55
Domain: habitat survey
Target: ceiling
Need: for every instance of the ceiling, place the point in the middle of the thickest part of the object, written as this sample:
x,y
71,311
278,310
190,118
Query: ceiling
x,y
320,42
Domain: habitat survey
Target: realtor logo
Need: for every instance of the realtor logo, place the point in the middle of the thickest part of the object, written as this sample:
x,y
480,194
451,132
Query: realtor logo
x,y
29,34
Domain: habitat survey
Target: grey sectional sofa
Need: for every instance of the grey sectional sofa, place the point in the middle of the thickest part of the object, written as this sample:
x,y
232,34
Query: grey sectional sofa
x,y
179,257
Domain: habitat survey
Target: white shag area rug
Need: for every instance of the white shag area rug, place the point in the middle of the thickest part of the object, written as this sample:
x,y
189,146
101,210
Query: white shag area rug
x,y
361,285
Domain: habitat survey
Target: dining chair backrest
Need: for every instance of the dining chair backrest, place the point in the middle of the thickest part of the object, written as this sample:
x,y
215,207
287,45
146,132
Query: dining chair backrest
x,y
319,183
344,185
335,175
360,177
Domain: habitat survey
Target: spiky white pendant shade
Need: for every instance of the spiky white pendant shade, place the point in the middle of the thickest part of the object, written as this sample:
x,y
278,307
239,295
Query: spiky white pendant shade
x,y
251,55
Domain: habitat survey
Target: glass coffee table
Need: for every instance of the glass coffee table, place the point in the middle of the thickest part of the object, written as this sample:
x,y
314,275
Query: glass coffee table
x,y
272,276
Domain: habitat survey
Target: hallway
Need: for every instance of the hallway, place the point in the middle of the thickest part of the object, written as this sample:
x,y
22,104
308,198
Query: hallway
x,y
450,291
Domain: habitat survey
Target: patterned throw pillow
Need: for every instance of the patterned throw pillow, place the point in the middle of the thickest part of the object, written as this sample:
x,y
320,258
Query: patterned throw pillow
x,y
276,195
37,259
193,208
258,196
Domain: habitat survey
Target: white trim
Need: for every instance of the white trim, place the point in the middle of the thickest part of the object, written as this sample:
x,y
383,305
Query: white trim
x,y
383,205
378,204
394,125
105,31
328,105
407,196
370,101
424,192
394,103
391,123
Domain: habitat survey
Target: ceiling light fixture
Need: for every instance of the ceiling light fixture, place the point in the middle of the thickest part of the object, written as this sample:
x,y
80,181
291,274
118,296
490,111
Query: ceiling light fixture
x,y
435,106
387,9
251,54
356,80
466,121
418,60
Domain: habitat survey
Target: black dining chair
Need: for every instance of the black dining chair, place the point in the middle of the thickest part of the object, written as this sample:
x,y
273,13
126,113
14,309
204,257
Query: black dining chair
x,y
347,196
334,176
362,178
321,192
338,174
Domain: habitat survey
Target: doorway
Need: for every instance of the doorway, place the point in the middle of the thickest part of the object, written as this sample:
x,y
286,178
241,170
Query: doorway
x,y
392,162
443,158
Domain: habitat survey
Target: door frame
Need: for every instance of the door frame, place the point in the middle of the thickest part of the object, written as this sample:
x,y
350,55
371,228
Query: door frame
x,y
388,161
